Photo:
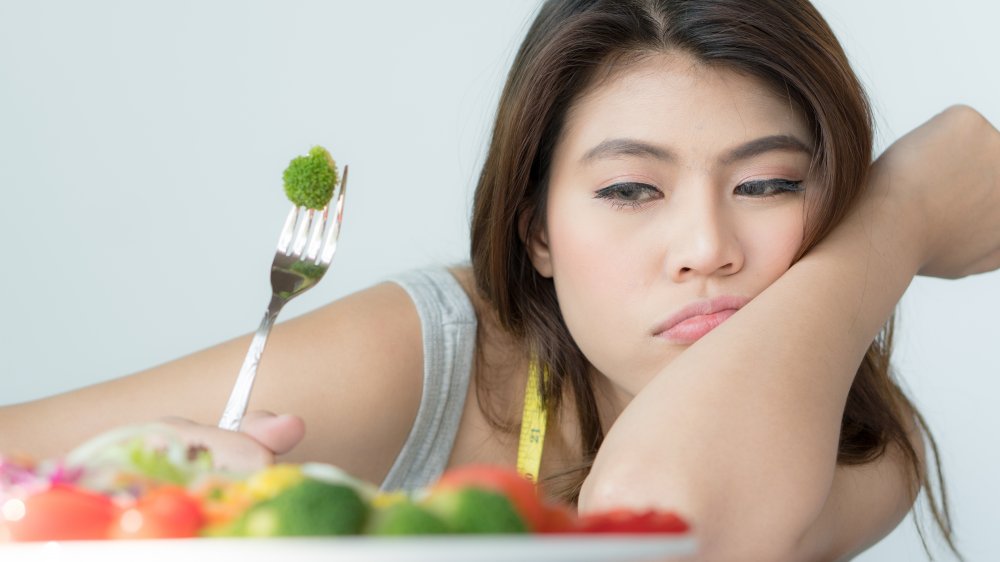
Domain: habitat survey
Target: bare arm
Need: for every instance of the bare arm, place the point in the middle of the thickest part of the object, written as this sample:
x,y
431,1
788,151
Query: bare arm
x,y
352,370
740,431
864,504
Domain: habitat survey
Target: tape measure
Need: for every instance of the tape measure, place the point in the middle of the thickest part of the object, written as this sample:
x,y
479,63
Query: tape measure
x,y
533,418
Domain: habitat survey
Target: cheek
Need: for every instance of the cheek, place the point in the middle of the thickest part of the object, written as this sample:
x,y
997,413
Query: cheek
x,y
578,261
598,273
594,257
770,245
585,252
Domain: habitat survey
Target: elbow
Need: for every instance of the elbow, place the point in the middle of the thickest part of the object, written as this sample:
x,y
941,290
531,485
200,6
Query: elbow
x,y
626,486
722,529
597,494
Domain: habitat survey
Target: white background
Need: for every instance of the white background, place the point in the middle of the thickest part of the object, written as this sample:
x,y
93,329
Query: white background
x,y
142,144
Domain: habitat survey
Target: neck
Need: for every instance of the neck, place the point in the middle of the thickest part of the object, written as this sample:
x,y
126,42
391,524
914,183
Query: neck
x,y
611,398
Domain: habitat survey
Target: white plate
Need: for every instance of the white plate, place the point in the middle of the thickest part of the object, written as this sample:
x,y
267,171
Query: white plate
x,y
567,548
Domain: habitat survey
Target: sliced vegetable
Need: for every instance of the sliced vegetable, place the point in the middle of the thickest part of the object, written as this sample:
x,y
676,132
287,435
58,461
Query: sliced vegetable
x,y
131,459
475,510
167,512
558,518
147,483
60,513
509,483
271,481
406,518
629,521
307,508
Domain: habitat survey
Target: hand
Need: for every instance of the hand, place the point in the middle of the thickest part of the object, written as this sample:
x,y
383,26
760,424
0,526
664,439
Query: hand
x,y
261,437
947,171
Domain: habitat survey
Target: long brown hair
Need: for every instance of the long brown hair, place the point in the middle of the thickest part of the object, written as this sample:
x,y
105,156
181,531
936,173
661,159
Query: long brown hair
x,y
785,43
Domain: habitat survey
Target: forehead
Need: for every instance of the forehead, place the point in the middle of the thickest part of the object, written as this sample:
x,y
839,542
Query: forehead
x,y
674,100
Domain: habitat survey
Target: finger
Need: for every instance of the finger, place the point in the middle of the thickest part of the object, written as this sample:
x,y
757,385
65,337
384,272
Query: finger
x,y
280,434
230,450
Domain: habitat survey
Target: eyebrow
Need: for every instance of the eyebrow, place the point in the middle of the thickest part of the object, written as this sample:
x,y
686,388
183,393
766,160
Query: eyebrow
x,y
612,148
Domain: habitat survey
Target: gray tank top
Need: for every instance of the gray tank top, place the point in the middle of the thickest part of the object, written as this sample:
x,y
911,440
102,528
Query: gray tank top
x,y
448,326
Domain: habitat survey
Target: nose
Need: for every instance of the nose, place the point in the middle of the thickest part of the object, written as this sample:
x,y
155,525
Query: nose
x,y
703,242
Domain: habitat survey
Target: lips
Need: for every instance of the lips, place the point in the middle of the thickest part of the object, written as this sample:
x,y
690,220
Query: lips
x,y
697,319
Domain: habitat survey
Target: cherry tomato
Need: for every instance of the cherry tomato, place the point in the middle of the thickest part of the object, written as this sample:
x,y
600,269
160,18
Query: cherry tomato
x,y
519,490
559,518
167,512
630,521
63,513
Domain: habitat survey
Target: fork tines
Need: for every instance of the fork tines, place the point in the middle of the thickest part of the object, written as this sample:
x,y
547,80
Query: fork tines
x,y
302,232
330,244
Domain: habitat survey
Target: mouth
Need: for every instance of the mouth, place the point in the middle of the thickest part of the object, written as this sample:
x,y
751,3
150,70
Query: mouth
x,y
692,322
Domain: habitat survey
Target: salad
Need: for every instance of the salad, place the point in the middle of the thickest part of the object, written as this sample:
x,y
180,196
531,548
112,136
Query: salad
x,y
147,483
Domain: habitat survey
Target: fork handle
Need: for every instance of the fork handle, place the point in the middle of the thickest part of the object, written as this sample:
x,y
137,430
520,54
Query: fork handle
x,y
236,407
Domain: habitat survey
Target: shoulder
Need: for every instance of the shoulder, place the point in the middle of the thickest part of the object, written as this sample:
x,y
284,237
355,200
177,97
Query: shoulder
x,y
354,369
440,295
484,310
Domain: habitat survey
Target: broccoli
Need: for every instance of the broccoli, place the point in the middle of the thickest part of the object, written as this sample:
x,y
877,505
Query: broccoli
x,y
309,180
474,510
308,508
406,518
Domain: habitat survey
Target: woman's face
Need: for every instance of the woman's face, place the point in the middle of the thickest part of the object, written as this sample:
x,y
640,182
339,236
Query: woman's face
x,y
675,190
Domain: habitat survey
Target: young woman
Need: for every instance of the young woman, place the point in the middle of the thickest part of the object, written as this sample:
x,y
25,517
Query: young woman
x,y
679,222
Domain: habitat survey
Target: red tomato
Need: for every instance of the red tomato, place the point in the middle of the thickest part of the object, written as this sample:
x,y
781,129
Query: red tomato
x,y
629,521
515,487
559,518
64,513
167,512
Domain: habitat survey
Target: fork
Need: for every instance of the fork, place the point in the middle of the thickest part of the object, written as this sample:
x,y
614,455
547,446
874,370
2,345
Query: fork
x,y
305,249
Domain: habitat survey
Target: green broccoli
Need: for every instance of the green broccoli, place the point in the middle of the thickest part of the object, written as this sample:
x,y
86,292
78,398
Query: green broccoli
x,y
474,510
406,518
309,180
308,508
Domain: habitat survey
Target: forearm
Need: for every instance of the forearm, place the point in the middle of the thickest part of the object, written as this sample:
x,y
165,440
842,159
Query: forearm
x,y
740,432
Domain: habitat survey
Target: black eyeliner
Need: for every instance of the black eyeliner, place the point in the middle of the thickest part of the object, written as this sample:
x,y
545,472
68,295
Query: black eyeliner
x,y
784,185
778,186
619,188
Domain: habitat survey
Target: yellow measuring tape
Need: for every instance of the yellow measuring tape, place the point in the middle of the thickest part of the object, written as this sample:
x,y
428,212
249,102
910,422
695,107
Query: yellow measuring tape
x,y
533,418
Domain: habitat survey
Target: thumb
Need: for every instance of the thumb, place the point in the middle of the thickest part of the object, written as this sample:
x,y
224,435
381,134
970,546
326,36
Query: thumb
x,y
280,434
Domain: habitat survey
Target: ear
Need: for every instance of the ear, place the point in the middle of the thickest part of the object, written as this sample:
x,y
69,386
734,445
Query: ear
x,y
536,242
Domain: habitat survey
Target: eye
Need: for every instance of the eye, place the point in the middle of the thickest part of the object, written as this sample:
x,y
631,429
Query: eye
x,y
761,189
628,194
